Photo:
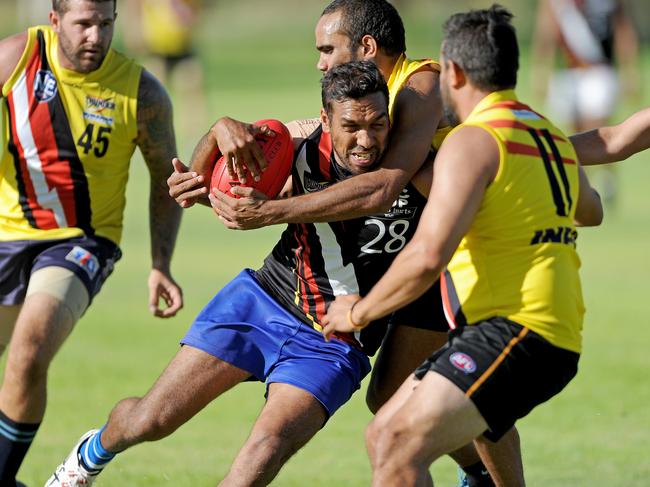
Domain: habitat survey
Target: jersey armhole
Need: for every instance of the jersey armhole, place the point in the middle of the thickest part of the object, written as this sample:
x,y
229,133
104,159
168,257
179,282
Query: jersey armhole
x,y
22,62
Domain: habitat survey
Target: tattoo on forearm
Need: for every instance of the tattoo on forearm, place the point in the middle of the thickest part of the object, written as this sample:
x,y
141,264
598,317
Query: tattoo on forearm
x,y
158,146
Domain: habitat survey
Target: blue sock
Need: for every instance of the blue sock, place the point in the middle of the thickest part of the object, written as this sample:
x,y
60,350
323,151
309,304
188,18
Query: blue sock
x,y
94,456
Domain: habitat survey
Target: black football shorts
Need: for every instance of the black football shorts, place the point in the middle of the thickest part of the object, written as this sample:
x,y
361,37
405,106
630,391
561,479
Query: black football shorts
x,y
506,369
426,312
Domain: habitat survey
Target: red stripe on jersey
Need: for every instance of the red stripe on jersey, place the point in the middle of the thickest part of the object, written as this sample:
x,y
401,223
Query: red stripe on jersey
x,y
300,271
22,172
43,218
324,153
529,150
446,304
524,149
56,171
308,276
450,301
40,123
515,124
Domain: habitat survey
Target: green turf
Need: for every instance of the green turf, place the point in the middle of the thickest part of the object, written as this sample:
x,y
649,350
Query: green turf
x,y
260,62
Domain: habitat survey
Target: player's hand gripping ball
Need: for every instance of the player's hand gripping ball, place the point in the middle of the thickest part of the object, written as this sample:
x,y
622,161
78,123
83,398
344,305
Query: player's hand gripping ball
x,y
278,152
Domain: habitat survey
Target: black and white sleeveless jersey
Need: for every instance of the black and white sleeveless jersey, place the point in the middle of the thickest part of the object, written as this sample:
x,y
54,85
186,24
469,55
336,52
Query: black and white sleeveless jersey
x,y
315,262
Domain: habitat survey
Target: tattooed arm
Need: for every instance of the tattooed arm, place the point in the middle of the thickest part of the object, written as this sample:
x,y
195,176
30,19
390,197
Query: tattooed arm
x,y
158,146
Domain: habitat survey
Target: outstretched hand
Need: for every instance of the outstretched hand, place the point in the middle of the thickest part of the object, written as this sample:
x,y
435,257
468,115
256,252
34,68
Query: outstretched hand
x,y
163,287
186,187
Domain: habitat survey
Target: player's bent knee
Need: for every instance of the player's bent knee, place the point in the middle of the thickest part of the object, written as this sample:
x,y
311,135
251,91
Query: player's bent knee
x,y
29,366
373,430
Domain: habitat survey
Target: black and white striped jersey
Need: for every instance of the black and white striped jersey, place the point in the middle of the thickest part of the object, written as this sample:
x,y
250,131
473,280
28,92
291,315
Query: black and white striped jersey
x,y
315,262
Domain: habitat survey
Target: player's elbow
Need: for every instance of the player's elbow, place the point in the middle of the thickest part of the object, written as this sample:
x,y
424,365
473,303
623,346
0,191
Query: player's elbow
x,y
431,259
590,213
617,145
382,195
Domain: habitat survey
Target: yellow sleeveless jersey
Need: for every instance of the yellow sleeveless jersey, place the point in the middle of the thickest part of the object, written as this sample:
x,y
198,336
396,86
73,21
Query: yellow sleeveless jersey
x,y
163,30
67,143
402,71
518,259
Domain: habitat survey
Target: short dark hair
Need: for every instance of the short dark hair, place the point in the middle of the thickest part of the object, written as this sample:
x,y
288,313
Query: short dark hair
x,y
484,44
353,80
61,6
376,18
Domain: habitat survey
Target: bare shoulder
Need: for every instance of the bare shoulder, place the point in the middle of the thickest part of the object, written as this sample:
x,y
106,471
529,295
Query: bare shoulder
x,y
470,148
423,82
153,100
418,101
303,128
11,49
155,121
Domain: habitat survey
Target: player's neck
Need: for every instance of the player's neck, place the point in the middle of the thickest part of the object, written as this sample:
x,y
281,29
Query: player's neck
x,y
468,99
386,64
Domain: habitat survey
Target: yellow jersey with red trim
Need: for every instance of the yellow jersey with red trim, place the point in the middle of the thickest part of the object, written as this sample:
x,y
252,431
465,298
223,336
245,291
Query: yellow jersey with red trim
x,y
518,259
402,71
67,143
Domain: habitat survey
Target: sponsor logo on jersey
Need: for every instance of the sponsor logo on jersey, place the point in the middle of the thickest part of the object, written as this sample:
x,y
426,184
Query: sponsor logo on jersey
x,y
84,259
526,114
563,235
95,117
400,208
98,105
463,362
94,108
45,86
312,185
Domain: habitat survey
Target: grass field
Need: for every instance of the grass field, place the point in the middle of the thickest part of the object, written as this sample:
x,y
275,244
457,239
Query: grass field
x,y
260,63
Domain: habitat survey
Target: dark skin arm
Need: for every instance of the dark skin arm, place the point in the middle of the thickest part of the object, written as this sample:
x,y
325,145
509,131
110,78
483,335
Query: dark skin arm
x,y
189,185
157,143
416,115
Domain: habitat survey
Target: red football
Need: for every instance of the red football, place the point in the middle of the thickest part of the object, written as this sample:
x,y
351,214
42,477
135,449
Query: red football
x,y
278,152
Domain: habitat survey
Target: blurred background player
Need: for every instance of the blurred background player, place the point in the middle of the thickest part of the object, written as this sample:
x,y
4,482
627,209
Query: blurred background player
x,y
32,12
163,31
74,111
593,36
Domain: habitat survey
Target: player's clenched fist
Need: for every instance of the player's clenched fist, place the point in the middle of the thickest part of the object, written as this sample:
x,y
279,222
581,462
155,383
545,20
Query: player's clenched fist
x,y
339,316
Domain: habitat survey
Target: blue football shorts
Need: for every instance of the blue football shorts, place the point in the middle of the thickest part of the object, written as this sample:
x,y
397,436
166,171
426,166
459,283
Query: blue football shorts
x,y
246,327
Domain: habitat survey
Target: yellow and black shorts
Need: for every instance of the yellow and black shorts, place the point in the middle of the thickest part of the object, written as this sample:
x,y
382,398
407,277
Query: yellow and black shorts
x,y
504,368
